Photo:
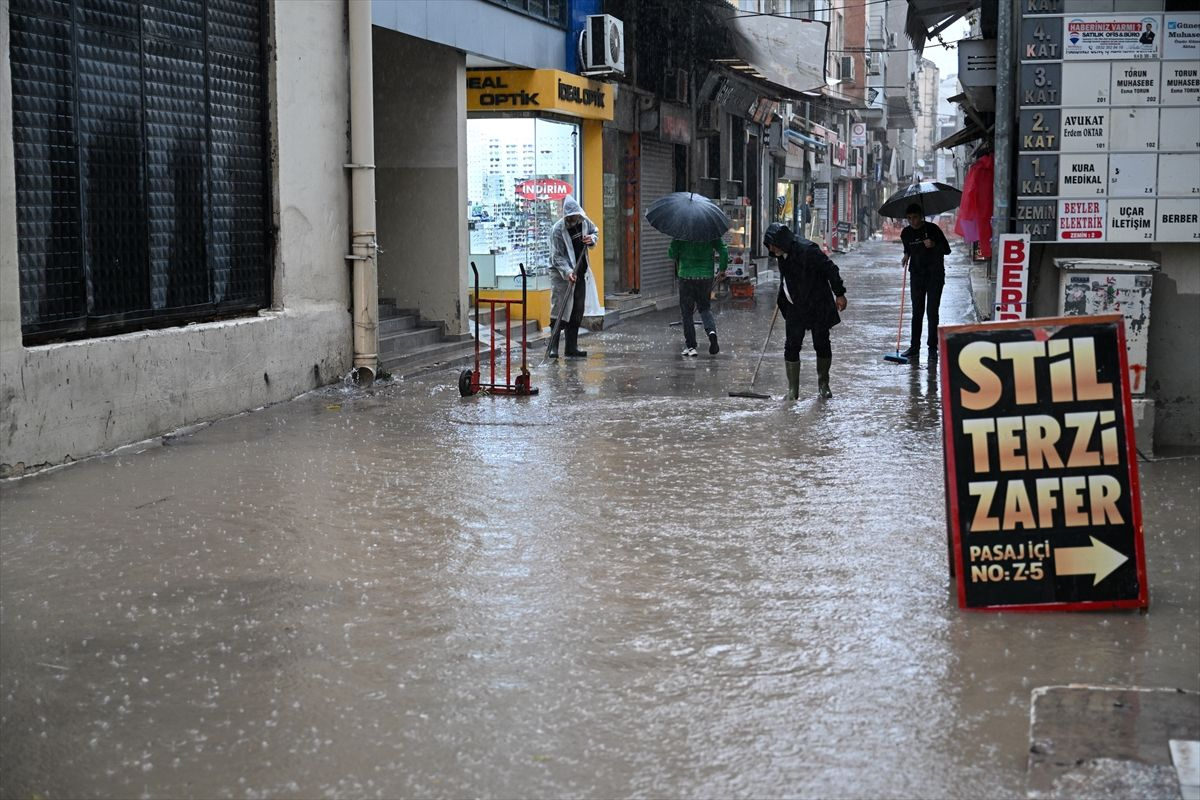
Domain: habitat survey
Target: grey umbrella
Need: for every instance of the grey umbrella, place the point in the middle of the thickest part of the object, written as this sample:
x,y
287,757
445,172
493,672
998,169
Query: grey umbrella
x,y
688,216
933,198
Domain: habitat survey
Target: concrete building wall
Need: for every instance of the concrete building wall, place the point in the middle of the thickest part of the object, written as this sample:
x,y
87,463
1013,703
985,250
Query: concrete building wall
x,y
60,402
477,27
926,134
421,176
1173,369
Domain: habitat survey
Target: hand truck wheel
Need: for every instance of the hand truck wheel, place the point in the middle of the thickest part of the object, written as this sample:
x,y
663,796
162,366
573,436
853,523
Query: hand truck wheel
x,y
464,383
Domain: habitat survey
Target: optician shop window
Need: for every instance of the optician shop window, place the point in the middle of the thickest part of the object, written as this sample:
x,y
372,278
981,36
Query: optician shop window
x,y
519,170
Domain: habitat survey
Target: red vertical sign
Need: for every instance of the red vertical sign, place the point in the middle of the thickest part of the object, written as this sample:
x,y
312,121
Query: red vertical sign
x,y
1012,284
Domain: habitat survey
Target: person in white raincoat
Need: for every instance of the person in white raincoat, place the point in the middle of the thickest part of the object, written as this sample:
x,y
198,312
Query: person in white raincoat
x,y
570,239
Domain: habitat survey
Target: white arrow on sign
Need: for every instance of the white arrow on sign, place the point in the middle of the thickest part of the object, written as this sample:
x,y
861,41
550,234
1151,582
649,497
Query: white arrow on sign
x,y
1097,558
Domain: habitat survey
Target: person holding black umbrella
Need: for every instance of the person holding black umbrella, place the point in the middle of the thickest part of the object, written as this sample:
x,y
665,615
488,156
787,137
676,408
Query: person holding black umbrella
x,y
694,268
925,248
696,224
811,294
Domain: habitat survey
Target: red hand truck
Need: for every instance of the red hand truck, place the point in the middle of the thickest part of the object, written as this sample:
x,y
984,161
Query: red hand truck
x,y
470,382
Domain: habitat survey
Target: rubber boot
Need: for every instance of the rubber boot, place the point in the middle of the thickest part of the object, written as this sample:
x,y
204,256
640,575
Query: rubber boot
x,y
793,376
573,350
823,365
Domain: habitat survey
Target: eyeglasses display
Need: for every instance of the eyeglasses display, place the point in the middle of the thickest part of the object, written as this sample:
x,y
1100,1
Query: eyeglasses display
x,y
518,172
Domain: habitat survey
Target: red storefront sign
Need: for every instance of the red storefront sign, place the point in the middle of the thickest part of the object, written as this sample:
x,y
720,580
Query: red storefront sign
x,y
543,189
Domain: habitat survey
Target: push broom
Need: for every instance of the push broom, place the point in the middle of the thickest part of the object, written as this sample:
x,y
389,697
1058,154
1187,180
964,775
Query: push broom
x,y
562,306
749,392
897,358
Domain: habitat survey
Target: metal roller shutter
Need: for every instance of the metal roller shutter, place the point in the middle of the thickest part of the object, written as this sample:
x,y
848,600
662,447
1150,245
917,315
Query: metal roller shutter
x,y
141,162
658,179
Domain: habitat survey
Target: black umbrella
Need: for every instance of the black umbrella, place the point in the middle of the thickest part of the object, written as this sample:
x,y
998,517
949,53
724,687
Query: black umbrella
x,y
688,216
933,198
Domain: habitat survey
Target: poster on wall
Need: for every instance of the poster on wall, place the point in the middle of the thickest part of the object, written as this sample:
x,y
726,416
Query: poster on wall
x,y
1111,37
1041,466
1182,36
1091,288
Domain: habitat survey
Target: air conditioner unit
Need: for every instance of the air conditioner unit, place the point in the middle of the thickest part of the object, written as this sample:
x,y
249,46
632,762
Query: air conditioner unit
x,y
892,41
675,87
708,118
847,69
602,46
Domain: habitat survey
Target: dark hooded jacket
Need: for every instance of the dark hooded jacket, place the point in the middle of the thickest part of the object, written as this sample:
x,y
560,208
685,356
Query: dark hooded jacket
x,y
811,279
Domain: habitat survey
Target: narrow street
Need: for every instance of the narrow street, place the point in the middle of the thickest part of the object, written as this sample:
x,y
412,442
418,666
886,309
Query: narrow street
x,y
629,585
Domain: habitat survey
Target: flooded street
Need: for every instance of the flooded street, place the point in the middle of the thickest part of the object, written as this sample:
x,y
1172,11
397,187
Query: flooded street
x,y
629,585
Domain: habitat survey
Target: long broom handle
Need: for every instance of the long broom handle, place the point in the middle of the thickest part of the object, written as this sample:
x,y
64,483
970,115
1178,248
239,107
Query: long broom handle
x,y
900,325
766,341
562,306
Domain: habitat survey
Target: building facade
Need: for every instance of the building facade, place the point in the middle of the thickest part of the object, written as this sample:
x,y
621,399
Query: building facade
x,y
173,217
171,260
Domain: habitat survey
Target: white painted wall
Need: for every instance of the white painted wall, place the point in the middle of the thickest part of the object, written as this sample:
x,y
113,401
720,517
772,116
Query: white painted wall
x,y
62,402
421,177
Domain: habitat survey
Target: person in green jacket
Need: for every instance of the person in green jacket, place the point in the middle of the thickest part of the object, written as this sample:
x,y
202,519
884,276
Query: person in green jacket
x,y
694,267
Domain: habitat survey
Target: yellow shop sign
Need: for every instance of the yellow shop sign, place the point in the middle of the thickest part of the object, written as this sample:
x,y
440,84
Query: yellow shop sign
x,y
538,90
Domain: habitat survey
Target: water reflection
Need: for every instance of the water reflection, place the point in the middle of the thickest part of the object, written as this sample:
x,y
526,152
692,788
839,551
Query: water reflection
x,y
631,584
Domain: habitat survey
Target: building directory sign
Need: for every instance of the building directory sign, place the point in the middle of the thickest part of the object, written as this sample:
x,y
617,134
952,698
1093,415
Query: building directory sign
x,y
1108,126
1041,470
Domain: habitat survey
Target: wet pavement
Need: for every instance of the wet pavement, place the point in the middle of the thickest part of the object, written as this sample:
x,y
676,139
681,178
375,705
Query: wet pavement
x,y
629,585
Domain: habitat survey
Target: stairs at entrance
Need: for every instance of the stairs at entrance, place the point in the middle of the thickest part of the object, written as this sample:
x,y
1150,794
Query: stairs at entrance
x,y
409,345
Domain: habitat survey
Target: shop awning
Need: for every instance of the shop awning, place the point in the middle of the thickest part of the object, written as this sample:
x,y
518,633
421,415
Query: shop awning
x,y
974,113
805,139
968,134
789,53
927,18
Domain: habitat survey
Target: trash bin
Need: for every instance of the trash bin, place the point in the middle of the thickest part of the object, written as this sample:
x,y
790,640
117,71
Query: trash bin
x,y
1116,286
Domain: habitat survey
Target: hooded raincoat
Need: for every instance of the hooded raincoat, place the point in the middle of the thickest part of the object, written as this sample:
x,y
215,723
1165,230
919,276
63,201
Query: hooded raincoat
x,y
810,283
562,257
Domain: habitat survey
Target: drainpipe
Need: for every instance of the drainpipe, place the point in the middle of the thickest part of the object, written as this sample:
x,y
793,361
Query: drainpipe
x,y
1005,113
364,247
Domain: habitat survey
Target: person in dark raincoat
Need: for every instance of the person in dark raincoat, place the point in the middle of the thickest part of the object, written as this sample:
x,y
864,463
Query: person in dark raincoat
x,y
811,294
570,239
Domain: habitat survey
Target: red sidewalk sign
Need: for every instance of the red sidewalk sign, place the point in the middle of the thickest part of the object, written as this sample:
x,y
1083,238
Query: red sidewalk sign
x,y
1041,471
1012,286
